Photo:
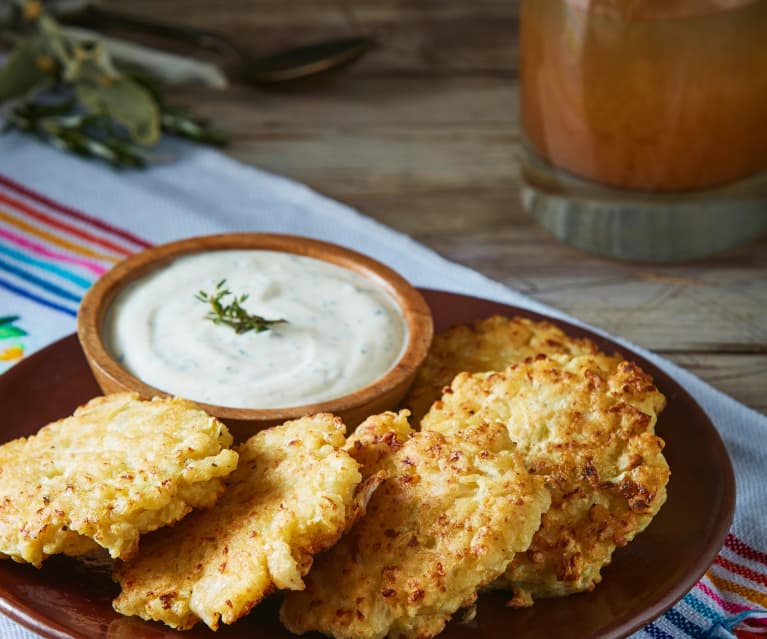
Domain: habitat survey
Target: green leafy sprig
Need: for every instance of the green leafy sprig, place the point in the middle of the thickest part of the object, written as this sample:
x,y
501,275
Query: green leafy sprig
x,y
86,134
106,112
232,313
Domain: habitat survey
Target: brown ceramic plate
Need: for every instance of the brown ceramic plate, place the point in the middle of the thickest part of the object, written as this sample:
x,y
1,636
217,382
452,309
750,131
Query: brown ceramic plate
x,y
63,600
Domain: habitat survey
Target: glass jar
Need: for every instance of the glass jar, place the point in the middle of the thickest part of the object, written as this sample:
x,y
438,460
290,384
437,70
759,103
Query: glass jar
x,y
645,123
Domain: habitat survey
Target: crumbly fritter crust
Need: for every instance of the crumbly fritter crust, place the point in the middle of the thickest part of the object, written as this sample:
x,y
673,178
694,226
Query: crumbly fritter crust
x,y
587,425
292,495
452,513
489,344
117,468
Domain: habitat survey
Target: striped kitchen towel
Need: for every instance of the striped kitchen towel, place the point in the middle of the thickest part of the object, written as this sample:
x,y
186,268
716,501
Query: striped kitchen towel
x,y
49,255
64,221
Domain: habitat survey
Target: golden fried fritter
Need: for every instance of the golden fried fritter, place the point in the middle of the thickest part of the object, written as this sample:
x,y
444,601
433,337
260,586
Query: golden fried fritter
x,y
291,496
452,513
587,425
117,468
490,344
375,440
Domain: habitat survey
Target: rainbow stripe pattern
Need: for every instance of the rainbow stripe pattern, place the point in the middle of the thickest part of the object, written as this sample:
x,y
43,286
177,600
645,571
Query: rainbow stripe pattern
x,y
730,601
51,253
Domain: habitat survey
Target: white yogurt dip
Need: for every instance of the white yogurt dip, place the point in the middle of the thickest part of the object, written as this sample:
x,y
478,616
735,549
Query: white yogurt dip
x,y
342,332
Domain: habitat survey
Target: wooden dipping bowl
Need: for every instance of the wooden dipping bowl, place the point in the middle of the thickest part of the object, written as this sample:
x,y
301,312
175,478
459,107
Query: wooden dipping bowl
x,y
385,393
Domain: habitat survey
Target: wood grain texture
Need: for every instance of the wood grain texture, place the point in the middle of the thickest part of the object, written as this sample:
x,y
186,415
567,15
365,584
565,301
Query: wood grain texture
x,y
423,135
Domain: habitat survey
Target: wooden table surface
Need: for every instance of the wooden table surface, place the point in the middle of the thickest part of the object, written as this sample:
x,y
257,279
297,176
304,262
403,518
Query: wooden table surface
x,y
423,135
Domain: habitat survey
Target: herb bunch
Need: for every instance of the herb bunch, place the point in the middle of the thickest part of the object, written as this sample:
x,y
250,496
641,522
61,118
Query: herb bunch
x,y
69,92
232,313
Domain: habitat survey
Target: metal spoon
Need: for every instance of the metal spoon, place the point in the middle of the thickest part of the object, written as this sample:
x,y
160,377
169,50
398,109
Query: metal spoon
x,y
291,65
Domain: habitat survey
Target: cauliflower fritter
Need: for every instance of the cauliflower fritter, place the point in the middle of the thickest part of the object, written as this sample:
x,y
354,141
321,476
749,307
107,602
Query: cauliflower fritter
x,y
291,496
452,513
490,344
587,425
117,468
375,440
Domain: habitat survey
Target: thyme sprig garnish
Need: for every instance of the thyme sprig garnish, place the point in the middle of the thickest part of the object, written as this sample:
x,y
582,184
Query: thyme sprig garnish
x,y
231,313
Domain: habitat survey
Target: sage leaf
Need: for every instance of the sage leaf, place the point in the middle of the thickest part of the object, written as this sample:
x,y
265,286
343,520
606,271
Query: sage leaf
x,y
24,72
169,68
126,102
101,108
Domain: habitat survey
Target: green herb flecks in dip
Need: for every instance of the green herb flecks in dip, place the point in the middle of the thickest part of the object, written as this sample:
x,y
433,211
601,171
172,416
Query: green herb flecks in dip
x,y
343,331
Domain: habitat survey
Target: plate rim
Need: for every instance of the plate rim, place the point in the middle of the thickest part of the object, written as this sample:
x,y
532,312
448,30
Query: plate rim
x,y
51,629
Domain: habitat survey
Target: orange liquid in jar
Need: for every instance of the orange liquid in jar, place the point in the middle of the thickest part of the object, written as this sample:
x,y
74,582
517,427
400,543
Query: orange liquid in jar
x,y
664,95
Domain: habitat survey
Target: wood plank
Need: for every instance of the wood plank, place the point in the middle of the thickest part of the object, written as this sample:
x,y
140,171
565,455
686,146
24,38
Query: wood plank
x,y
374,134
429,36
706,305
741,377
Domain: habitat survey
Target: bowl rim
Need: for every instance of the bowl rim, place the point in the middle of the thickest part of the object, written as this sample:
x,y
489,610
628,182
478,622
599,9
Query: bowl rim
x,y
99,297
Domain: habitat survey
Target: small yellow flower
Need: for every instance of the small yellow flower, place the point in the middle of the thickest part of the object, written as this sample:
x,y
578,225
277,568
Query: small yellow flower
x,y
32,10
45,63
